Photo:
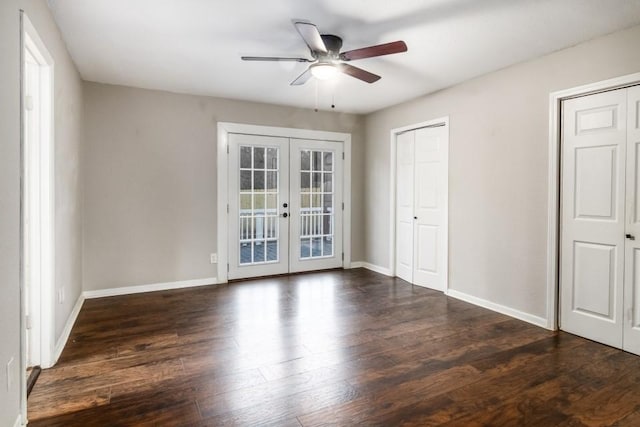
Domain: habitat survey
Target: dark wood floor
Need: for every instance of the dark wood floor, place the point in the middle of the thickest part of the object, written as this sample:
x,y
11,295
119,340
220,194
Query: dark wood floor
x,y
339,348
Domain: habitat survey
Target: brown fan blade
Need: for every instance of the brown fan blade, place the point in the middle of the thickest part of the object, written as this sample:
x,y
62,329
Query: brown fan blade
x,y
302,78
273,58
377,50
358,73
311,36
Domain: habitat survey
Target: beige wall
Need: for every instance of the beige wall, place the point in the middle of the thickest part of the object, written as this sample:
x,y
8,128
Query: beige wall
x,y
150,180
499,126
9,209
68,142
68,108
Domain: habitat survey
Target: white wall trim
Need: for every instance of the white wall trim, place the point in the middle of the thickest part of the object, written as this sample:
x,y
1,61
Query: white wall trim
x,y
372,267
224,129
392,192
553,202
138,289
512,312
23,298
18,422
64,336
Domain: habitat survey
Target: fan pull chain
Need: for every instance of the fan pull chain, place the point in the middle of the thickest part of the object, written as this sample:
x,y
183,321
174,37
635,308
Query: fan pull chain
x,y
316,109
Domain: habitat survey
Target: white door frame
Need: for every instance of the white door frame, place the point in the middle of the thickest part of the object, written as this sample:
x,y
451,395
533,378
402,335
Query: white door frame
x,y
224,129
29,39
553,202
442,121
33,42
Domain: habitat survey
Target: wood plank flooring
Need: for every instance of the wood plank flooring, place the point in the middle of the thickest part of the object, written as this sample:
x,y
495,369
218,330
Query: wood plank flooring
x,y
333,348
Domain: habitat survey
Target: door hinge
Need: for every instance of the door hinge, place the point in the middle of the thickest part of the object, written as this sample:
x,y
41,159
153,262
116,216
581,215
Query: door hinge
x,y
343,155
28,103
343,256
227,267
227,148
342,205
227,207
27,321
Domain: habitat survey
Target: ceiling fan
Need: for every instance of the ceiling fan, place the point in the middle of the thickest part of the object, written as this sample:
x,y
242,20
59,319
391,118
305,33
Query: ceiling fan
x,y
327,60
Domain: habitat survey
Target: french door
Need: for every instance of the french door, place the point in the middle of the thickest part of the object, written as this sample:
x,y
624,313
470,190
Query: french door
x,y
285,205
600,245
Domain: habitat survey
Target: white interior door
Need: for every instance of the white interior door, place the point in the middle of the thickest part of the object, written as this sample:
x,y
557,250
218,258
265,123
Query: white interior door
x,y
405,144
631,329
430,199
258,194
316,205
421,206
593,216
32,208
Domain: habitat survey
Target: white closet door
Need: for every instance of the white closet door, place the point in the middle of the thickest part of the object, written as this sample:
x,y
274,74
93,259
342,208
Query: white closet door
x,y
404,205
421,206
430,211
258,190
593,216
631,341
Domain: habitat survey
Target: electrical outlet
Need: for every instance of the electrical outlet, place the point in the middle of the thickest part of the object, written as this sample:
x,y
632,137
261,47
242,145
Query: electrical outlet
x,y
213,258
9,374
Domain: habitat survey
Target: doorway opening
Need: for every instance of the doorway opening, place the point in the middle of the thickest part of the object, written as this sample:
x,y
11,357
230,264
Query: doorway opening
x,y
37,199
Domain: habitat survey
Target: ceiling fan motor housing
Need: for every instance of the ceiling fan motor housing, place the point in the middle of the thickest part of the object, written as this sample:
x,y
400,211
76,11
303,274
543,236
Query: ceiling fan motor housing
x,y
333,45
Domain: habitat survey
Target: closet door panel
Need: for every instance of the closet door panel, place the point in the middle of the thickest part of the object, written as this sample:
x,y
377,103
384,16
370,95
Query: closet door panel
x,y
593,216
631,339
404,205
430,207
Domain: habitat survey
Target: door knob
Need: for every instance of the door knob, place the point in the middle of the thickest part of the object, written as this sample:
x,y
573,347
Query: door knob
x,y
284,215
630,236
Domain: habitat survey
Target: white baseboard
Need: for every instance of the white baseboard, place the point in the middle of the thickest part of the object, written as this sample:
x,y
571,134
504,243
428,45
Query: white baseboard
x,y
372,267
530,318
512,312
127,290
62,340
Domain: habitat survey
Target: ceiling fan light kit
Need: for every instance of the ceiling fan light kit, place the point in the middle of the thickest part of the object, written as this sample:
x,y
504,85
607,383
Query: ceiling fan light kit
x,y
327,60
323,71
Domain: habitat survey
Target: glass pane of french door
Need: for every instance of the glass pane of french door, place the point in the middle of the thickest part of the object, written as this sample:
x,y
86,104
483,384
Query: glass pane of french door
x,y
259,200
258,194
317,214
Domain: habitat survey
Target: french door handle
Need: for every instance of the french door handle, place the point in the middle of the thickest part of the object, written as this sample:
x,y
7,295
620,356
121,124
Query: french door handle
x,y
284,215
630,236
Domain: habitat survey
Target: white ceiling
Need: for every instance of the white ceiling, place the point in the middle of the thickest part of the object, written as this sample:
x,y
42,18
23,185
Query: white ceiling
x,y
194,46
